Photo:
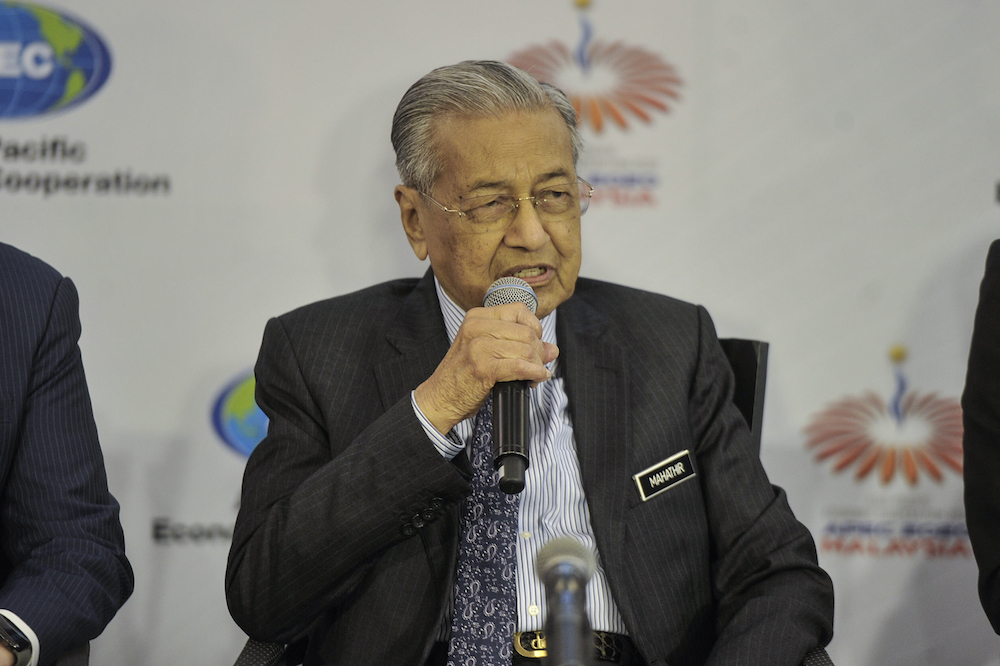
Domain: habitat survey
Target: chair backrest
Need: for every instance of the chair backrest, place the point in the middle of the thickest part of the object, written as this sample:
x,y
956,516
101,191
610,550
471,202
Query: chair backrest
x,y
817,657
257,653
748,359
78,656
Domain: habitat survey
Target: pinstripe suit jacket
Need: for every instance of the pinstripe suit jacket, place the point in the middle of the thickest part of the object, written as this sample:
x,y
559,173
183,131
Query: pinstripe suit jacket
x,y
62,552
347,531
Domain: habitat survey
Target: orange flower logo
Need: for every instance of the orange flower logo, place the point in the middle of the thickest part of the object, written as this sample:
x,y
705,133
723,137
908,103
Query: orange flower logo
x,y
606,82
915,433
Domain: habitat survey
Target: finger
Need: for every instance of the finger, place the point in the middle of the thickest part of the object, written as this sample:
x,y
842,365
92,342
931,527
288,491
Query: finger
x,y
515,312
527,318
498,329
488,348
517,369
551,352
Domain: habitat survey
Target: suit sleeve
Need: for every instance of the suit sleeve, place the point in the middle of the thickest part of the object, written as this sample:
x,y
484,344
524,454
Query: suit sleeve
x,y
334,485
61,530
774,603
981,416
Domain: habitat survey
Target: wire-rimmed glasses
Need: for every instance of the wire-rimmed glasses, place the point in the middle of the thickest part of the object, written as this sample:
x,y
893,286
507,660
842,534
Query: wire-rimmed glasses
x,y
495,212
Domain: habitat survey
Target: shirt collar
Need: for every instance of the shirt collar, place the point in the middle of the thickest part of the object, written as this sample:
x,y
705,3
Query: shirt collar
x,y
453,316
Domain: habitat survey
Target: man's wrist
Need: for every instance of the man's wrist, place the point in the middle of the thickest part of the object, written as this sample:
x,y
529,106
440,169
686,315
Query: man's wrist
x,y
429,410
448,445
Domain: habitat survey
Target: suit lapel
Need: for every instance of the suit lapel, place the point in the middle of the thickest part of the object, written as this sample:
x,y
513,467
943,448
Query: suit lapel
x,y
597,383
418,341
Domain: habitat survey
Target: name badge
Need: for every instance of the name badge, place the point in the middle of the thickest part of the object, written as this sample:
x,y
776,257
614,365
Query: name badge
x,y
664,475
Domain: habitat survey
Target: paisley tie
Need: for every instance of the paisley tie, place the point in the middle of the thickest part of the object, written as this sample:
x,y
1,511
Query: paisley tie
x,y
483,625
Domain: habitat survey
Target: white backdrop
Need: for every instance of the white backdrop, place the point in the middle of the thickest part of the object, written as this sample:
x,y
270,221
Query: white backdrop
x,y
826,180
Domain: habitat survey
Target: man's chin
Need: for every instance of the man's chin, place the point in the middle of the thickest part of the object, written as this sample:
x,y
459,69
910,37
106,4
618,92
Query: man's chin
x,y
547,302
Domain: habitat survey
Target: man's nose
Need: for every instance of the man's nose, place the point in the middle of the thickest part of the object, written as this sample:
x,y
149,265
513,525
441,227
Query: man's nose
x,y
526,229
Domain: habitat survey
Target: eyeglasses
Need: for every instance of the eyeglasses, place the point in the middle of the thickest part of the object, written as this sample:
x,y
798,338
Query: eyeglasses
x,y
495,212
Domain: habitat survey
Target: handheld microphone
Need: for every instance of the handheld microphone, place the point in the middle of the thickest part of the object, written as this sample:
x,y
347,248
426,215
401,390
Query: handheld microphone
x,y
565,566
511,407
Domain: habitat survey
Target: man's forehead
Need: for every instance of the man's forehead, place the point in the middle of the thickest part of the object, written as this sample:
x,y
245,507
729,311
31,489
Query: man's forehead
x,y
491,152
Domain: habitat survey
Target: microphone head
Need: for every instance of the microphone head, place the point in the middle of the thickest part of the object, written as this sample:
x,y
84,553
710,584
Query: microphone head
x,y
565,552
510,290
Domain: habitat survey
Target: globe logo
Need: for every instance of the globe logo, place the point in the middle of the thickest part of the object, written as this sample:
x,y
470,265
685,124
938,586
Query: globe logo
x,y
237,418
48,61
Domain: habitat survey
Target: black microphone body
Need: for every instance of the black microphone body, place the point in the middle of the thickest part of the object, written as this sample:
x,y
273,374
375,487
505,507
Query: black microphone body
x,y
511,407
565,566
510,434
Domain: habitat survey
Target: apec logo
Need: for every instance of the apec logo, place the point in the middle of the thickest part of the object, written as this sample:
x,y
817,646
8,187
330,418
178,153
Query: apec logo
x,y
49,61
237,419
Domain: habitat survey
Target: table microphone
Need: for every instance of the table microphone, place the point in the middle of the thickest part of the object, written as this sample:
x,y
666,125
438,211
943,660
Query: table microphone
x,y
565,566
511,407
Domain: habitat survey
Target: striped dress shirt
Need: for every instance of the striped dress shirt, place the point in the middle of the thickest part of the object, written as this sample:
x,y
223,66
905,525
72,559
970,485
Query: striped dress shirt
x,y
552,502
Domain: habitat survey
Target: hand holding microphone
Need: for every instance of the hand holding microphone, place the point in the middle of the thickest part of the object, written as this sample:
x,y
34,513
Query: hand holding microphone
x,y
511,406
494,344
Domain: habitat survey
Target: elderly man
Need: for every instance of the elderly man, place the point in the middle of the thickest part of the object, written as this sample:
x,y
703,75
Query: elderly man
x,y
371,528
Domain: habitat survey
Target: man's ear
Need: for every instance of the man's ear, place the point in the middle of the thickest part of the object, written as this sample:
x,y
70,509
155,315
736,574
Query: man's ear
x,y
409,213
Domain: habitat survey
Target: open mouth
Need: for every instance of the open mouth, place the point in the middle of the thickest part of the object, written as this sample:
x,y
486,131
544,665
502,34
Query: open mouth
x,y
528,273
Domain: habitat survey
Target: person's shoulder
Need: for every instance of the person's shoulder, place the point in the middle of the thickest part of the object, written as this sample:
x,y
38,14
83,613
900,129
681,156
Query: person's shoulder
x,y
375,303
659,328
20,271
993,257
636,317
621,302
30,290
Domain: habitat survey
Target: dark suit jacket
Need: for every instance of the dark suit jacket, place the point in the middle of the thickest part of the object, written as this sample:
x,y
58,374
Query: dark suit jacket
x,y
981,416
62,552
326,544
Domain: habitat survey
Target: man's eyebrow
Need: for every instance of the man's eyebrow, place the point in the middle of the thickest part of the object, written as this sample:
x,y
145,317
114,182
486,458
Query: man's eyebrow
x,y
499,184
487,185
558,173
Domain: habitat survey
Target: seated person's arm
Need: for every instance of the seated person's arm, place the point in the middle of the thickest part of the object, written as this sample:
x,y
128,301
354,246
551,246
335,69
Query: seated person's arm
x,y
61,531
774,602
326,493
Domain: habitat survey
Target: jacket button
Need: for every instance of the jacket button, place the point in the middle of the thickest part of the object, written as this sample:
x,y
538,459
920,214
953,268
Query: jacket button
x,y
409,530
429,515
417,521
437,503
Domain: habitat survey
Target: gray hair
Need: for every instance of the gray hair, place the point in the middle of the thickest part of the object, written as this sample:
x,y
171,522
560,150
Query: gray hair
x,y
479,88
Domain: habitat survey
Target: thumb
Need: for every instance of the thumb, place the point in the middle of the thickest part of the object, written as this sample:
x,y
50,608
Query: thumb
x,y
551,352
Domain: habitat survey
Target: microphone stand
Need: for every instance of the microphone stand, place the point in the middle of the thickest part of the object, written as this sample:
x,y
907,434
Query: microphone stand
x,y
565,566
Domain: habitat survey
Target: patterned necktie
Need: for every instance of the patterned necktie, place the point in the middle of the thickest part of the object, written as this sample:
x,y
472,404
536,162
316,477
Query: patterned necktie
x,y
482,628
